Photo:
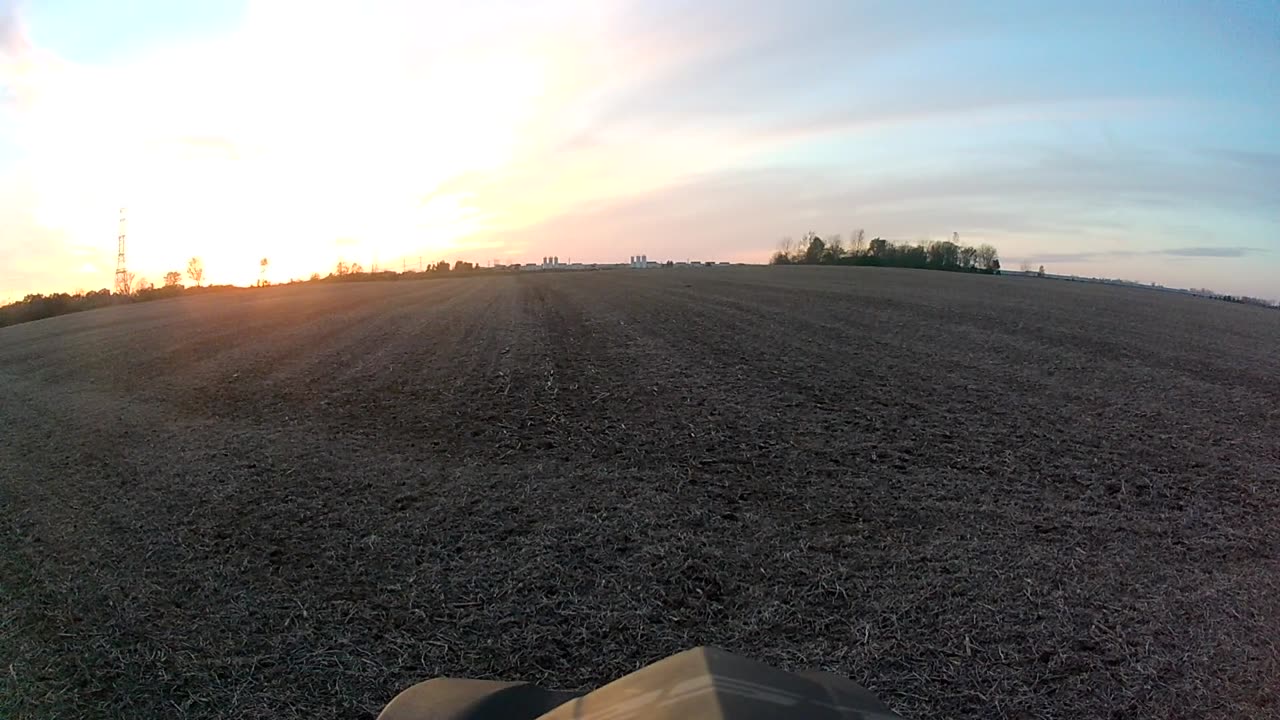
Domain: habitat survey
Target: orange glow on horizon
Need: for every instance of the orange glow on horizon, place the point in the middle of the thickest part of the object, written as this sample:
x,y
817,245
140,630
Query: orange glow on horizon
x,y
234,148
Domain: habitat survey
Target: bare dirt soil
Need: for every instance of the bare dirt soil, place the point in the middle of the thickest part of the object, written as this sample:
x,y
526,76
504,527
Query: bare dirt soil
x,y
978,496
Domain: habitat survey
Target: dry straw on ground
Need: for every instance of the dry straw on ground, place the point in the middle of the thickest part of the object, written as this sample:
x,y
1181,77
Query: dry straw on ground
x,y
980,497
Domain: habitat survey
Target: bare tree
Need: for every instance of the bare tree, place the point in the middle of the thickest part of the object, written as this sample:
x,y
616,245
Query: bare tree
x,y
942,255
143,285
172,278
813,247
126,283
785,252
857,242
195,270
987,258
835,249
262,272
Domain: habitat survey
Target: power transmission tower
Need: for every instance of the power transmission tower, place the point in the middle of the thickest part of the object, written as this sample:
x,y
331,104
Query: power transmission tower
x,y
122,274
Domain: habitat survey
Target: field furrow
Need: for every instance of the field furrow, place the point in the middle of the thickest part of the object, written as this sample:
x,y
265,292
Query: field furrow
x,y
978,496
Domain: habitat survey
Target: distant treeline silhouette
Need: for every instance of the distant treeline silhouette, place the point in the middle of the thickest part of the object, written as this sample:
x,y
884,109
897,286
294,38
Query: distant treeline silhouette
x,y
1240,299
937,255
38,307
354,272
812,250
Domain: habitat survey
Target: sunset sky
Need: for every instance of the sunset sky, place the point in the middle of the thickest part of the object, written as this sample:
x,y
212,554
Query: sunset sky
x,y
1120,139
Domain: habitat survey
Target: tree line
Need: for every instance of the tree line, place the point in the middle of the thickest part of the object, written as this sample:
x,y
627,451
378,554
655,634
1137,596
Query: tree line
x,y
133,289
936,255
38,306
355,271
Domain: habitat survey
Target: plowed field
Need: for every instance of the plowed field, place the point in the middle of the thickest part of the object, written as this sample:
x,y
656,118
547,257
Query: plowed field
x,y
978,496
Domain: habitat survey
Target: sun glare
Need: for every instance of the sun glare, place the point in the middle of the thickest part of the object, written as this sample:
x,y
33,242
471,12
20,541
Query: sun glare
x,y
234,149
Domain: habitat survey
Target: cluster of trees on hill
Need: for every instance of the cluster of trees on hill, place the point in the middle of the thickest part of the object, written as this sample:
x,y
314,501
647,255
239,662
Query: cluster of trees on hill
x,y
937,255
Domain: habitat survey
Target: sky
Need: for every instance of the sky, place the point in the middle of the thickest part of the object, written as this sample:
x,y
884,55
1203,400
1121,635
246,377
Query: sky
x,y
1136,140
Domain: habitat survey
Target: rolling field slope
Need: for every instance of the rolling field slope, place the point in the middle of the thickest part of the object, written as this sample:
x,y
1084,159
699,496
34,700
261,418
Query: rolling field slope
x,y
978,496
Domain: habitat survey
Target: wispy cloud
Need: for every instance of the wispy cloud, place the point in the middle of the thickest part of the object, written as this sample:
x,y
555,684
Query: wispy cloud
x,y
13,40
1187,252
600,128
15,52
1213,252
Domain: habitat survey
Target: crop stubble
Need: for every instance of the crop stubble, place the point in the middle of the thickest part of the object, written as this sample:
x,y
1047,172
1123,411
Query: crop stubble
x,y
978,496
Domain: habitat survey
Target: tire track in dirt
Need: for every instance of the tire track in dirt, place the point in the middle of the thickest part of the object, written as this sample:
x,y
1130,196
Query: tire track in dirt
x,y
738,507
